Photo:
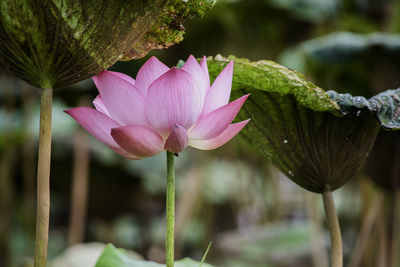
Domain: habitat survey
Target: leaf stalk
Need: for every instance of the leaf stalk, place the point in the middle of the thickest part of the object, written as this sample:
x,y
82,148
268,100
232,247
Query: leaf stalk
x,y
43,178
334,229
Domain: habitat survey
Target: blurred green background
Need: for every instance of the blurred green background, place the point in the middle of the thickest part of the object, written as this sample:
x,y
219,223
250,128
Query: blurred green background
x,y
231,196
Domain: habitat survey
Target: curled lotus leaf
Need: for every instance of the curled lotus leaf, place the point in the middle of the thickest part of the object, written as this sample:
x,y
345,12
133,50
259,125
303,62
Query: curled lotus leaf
x,y
54,43
385,105
382,164
299,127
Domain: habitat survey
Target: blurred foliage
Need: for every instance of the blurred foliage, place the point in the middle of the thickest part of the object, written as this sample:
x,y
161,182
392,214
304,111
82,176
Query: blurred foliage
x,y
257,247
360,64
112,257
83,255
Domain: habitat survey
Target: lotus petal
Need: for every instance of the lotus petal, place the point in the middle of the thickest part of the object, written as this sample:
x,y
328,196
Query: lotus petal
x,y
148,73
138,140
177,139
215,122
99,125
220,90
221,139
122,99
172,99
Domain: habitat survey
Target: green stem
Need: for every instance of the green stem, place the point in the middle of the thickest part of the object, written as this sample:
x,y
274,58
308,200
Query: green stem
x,y
334,230
43,179
169,241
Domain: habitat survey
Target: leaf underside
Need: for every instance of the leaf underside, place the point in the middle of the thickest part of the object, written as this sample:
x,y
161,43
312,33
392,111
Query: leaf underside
x,y
54,43
298,127
113,257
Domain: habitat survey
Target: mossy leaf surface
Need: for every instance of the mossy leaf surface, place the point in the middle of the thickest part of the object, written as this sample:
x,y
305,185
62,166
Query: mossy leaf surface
x,y
271,77
54,43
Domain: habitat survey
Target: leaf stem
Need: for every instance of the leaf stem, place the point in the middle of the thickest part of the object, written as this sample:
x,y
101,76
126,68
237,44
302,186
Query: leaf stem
x,y
366,228
334,230
169,241
79,190
43,179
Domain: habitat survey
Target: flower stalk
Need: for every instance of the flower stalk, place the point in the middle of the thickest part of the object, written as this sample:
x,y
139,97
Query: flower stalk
x,y
43,179
334,230
169,241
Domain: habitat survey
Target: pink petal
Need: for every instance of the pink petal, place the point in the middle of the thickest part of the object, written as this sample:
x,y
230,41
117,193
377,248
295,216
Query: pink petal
x,y
138,140
221,139
148,73
177,139
122,99
220,91
99,125
215,122
174,98
123,76
99,105
204,67
193,68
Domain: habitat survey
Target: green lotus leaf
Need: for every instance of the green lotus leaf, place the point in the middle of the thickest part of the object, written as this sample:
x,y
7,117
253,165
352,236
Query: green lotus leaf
x,y
113,257
268,76
298,127
168,28
54,43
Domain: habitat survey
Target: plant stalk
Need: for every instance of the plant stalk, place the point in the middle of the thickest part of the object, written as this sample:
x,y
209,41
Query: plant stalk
x,y
43,179
382,242
169,241
395,247
334,230
79,190
318,253
366,228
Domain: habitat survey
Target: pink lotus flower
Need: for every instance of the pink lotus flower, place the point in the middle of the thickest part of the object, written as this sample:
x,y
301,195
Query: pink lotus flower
x,y
164,109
